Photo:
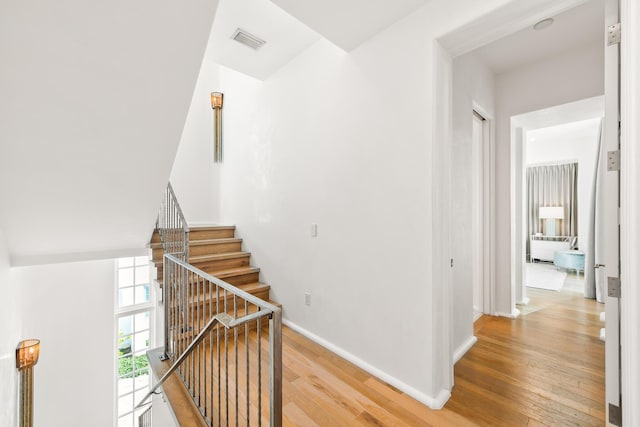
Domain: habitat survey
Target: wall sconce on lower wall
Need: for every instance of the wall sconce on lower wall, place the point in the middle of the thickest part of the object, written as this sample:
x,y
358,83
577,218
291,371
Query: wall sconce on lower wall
x,y
27,354
216,104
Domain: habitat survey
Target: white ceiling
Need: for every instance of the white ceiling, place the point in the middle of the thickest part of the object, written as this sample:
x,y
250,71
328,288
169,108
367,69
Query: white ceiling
x,y
572,131
584,109
579,26
286,37
348,23
94,99
289,27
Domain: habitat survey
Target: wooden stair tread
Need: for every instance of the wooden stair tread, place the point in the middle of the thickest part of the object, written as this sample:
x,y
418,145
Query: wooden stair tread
x,y
215,257
176,393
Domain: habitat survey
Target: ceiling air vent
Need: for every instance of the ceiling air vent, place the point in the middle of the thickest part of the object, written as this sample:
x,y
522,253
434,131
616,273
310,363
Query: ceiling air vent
x,y
247,39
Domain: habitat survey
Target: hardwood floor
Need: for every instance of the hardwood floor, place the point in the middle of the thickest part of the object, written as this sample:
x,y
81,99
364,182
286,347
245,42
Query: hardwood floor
x,y
544,368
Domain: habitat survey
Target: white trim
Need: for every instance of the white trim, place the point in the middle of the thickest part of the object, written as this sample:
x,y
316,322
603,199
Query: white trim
x,y
525,301
513,315
462,350
436,402
440,250
488,210
508,19
630,210
556,163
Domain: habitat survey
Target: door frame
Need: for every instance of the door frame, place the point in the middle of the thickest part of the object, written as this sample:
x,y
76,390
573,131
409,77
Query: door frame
x,y
487,207
630,208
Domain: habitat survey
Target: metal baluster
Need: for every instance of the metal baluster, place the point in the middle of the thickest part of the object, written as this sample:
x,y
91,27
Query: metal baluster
x,y
259,332
275,365
191,329
246,348
218,360
235,348
210,365
165,296
199,354
226,364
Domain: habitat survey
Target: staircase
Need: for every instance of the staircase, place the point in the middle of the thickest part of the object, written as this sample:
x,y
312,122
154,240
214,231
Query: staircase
x,y
215,250
225,327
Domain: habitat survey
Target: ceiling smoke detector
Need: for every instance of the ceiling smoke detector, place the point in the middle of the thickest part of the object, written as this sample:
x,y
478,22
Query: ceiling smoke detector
x,y
247,39
541,25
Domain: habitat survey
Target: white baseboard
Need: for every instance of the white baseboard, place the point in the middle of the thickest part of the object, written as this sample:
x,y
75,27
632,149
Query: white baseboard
x,y
513,315
525,301
432,402
462,350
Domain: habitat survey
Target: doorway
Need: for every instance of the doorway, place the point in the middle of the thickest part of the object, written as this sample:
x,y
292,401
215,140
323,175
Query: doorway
x,y
516,91
481,134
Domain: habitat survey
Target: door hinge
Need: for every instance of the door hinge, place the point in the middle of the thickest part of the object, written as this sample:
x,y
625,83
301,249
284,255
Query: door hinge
x,y
613,287
615,414
613,34
613,160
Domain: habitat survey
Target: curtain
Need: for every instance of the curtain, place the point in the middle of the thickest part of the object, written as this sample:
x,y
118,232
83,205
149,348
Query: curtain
x,y
553,185
594,278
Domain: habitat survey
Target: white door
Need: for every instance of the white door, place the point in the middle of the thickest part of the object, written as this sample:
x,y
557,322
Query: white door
x,y
611,228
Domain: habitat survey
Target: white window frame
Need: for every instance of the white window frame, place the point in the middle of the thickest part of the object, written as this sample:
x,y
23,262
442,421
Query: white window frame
x,y
130,310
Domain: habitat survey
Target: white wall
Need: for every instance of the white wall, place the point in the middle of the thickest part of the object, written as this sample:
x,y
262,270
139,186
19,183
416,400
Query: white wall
x,y
194,177
70,308
572,142
344,140
473,82
317,144
10,335
574,75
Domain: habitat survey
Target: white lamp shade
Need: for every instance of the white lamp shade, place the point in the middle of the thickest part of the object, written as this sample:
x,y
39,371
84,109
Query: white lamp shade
x,y
554,212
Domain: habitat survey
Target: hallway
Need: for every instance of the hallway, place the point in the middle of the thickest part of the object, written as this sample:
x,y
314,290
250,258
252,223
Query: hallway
x,y
544,368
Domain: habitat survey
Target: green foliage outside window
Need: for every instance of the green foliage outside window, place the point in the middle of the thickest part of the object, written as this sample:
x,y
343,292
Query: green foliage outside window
x,y
127,370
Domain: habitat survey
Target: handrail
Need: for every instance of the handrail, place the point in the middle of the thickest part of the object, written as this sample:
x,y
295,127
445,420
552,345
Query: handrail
x,y
224,285
222,318
178,208
172,225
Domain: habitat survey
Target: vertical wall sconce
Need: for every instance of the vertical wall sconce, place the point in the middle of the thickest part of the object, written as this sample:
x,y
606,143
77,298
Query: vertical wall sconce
x,y
216,104
27,354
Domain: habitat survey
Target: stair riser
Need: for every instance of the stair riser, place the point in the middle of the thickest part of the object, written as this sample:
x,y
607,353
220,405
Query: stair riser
x,y
204,305
222,264
214,248
211,234
241,279
155,238
157,254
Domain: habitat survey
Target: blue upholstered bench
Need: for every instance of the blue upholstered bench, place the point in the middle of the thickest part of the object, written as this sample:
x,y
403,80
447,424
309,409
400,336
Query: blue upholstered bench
x,y
571,260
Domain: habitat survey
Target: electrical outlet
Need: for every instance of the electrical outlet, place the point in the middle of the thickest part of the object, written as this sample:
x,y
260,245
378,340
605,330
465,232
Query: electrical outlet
x,y
314,230
307,298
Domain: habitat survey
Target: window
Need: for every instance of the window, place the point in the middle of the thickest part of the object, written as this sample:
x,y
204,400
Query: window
x,y
134,326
